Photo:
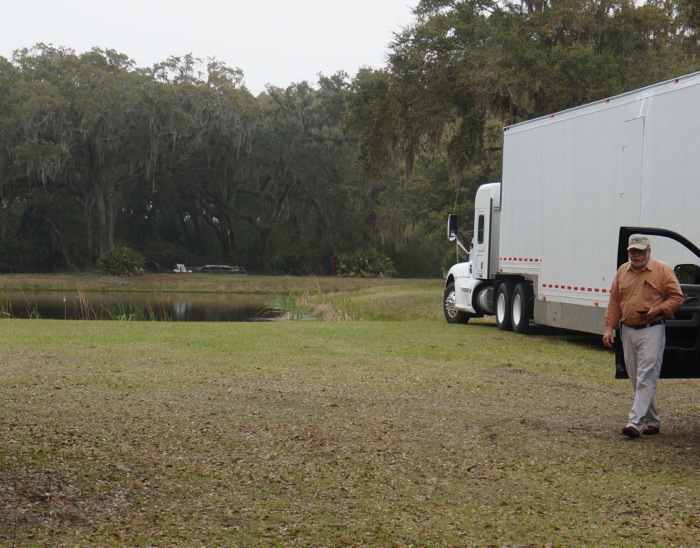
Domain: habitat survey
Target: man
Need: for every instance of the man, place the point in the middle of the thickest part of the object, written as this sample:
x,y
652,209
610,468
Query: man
x,y
644,293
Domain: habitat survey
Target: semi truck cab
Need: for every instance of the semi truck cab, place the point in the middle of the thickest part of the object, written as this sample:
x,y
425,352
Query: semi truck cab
x,y
469,287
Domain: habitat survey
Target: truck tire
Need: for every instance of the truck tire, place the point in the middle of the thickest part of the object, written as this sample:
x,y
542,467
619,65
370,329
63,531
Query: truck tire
x,y
522,307
452,315
504,305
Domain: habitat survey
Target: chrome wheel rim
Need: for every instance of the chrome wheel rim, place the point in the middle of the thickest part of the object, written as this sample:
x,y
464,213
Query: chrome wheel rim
x,y
450,301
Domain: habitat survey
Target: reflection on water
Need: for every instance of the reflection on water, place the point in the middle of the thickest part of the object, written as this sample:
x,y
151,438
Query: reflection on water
x,y
61,305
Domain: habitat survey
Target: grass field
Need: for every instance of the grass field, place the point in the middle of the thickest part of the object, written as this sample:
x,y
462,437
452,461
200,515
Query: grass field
x,y
395,429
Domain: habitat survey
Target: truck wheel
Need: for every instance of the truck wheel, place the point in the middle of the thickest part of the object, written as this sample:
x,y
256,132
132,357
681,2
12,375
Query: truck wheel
x,y
452,315
522,308
504,303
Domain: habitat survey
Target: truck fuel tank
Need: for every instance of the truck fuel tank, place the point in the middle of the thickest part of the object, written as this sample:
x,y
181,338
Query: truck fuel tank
x,y
484,300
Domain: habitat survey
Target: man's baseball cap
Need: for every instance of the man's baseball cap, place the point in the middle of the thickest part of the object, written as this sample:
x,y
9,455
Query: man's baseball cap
x,y
637,241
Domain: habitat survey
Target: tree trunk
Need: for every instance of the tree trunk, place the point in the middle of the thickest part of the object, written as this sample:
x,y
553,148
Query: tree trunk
x,y
106,220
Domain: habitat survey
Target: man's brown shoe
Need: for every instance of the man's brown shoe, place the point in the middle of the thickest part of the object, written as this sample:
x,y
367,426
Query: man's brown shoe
x,y
630,432
650,430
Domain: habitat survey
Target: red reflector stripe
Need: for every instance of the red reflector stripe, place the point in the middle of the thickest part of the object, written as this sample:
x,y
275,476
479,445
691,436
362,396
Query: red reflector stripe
x,y
575,288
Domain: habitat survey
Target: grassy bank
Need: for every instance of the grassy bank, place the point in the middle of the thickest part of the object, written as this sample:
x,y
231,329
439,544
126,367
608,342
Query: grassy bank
x,y
333,433
204,283
327,298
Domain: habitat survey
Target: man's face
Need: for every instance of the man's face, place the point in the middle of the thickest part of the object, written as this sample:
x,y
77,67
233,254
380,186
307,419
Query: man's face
x,y
639,257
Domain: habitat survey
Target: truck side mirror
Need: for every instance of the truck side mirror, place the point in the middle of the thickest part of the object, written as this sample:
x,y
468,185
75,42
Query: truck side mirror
x,y
687,273
452,226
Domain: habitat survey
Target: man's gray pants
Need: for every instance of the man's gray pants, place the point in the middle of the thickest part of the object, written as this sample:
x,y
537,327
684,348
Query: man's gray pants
x,y
644,352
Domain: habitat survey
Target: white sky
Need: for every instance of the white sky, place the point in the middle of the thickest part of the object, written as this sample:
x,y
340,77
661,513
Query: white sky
x,y
272,41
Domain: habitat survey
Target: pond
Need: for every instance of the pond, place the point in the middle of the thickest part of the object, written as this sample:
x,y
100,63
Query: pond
x,y
180,307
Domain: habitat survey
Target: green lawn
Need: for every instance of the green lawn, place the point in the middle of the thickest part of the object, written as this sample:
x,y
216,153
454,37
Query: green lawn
x,y
388,432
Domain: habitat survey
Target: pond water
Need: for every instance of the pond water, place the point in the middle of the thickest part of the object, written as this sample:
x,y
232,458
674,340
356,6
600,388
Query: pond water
x,y
181,307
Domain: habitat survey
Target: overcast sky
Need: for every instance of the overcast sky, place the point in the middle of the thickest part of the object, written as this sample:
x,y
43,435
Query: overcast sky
x,y
273,41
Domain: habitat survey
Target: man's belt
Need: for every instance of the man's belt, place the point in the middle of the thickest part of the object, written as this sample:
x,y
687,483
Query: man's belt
x,y
652,324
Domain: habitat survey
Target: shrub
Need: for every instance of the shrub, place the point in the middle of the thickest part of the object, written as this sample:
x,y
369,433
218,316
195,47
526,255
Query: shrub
x,y
366,263
121,261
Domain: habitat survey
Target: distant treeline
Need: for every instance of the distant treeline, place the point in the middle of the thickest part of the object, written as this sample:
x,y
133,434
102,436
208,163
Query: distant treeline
x,y
181,163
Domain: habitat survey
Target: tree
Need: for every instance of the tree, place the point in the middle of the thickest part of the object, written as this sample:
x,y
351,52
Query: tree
x,y
83,135
109,152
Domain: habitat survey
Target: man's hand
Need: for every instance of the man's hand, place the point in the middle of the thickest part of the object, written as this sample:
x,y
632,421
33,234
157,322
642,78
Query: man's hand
x,y
609,337
654,312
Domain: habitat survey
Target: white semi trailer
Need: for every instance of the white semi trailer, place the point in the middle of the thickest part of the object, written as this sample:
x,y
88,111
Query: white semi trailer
x,y
548,239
